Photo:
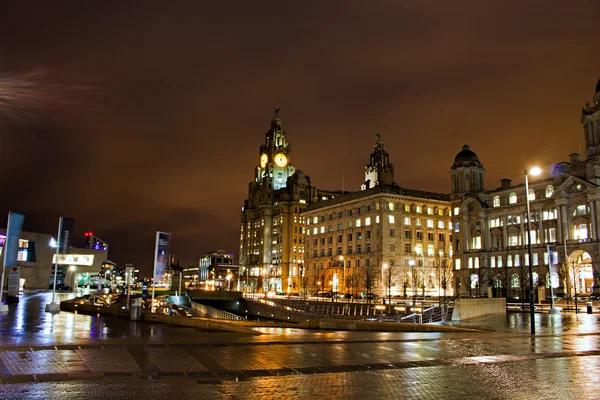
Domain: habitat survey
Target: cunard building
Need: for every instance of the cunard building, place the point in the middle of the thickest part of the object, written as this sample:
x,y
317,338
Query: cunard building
x,y
272,237
384,239
490,226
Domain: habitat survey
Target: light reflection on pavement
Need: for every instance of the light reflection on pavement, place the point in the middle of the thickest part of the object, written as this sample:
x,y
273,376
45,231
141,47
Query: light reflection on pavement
x,y
290,362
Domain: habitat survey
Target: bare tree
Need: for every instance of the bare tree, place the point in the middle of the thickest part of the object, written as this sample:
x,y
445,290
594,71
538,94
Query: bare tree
x,y
443,270
370,276
390,274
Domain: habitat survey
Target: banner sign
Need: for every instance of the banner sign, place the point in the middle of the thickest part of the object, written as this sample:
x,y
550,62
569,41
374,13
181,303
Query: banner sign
x,y
11,251
14,281
73,259
66,232
161,255
553,266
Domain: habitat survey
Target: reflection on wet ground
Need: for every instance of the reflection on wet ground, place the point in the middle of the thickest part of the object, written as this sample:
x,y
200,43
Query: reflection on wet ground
x,y
26,324
502,362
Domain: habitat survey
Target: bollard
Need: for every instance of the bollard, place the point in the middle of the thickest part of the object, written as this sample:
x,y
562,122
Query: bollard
x,y
590,308
136,309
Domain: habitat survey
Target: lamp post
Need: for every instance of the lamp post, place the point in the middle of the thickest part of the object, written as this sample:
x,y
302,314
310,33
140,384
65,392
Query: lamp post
x,y
535,171
423,272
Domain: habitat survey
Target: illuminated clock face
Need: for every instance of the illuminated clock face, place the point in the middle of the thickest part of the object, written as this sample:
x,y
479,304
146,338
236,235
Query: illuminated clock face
x,y
281,160
263,160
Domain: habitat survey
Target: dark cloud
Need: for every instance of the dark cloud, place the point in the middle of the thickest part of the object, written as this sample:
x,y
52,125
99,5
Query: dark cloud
x,y
163,106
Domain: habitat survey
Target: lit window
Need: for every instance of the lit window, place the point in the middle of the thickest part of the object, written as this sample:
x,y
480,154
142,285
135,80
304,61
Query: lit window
x,y
492,262
377,219
518,260
476,242
430,223
512,199
406,221
407,207
391,206
509,262
391,219
580,232
419,209
535,259
470,263
429,211
450,225
323,229
514,281
358,223
315,231
457,263
440,224
315,220
456,210
499,261
430,250
418,222
531,194
476,262
367,221
549,190
497,201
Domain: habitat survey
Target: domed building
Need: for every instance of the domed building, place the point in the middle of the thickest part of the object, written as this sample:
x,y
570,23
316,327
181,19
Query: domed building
x,y
490,226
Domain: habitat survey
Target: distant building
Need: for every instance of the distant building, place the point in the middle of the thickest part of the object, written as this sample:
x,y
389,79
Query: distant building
x,y
490,226
37,252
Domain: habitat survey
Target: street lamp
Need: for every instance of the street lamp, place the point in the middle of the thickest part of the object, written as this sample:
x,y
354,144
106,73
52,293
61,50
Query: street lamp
x,y
534,171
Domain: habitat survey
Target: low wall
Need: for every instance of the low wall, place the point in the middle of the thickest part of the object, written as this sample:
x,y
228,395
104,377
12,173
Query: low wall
x,y
465,309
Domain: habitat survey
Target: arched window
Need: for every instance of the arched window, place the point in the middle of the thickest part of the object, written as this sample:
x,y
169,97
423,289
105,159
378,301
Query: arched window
x,y
512,199
549,190
531,194
497,201
514,281
474,278
536,279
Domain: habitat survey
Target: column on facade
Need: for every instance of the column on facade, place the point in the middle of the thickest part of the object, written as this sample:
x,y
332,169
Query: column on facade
x,y
541,234
523,233
595,209
565,221
559,232
504,232
485,231
466,233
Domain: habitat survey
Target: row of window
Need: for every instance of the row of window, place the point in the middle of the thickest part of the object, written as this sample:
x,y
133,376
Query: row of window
x,y
390,206
511,261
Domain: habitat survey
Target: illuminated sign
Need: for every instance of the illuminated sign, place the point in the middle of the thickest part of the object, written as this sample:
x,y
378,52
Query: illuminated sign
x,y
2,240
74,259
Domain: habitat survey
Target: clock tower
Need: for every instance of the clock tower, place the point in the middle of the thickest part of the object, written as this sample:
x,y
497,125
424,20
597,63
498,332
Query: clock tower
x,y
272,229
275,157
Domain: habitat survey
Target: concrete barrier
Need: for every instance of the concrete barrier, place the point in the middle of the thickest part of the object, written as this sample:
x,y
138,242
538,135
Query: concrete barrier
x,y
465,309
201,323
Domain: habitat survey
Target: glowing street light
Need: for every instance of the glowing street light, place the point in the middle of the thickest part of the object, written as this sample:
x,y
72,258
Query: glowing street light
x,y
534,171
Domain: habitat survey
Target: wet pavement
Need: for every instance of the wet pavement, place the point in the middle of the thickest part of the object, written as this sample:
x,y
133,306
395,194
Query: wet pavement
x,y
91,356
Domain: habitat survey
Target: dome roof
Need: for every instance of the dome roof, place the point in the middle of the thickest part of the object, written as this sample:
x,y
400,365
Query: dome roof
x,y
299,173
466,155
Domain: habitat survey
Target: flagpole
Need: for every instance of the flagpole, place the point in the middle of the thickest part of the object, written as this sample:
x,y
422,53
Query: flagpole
x,y
3,305
54,308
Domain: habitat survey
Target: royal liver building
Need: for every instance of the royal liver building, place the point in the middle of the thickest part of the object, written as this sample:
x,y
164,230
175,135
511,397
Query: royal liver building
x,y
489,226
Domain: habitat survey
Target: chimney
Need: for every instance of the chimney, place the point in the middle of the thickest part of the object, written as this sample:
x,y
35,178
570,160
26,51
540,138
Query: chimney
x,y
574,158
506,183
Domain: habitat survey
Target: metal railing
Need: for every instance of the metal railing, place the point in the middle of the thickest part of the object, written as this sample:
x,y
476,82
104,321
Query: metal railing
x,y
215,313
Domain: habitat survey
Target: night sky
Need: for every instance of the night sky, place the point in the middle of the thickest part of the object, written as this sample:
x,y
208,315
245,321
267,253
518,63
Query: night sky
x,y
138,116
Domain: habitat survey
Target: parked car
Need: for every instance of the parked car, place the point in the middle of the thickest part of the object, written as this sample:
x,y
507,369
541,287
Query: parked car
x,y
323,294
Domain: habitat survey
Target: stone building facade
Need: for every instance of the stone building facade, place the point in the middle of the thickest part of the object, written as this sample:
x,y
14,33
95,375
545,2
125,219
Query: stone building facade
x,y
490,226
384,239
272,225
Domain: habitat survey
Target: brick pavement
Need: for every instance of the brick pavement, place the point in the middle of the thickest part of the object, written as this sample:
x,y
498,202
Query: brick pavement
x,y
535,378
